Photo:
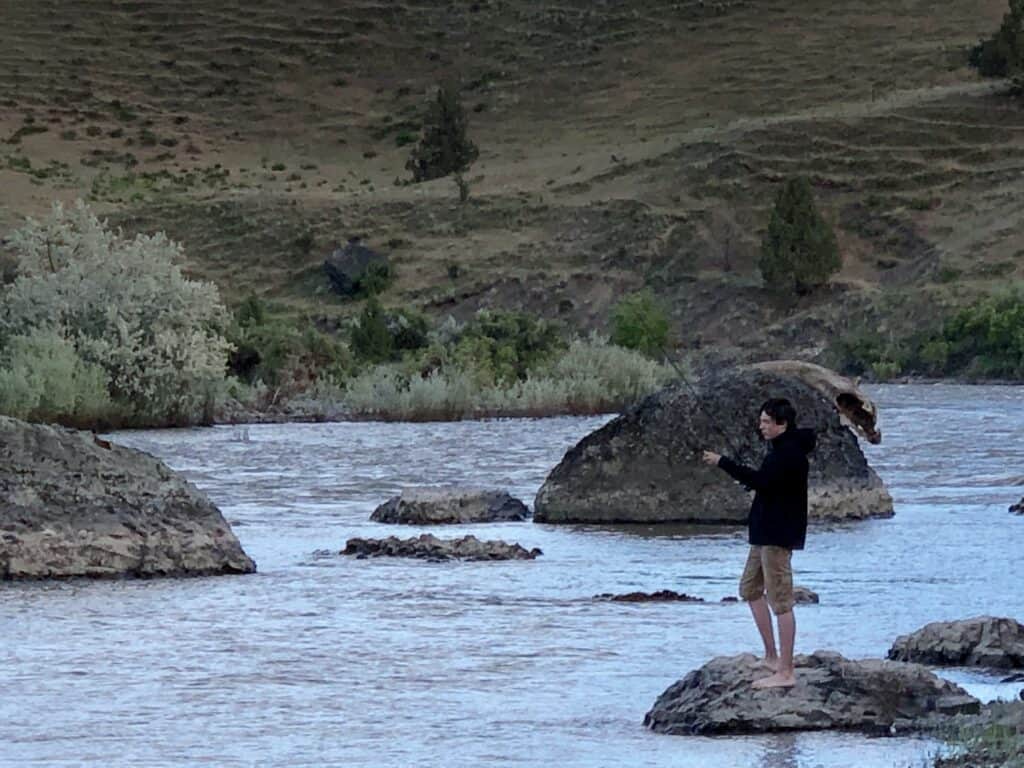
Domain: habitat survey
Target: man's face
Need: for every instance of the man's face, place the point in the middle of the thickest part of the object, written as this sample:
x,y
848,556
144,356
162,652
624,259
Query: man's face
x,y
769,429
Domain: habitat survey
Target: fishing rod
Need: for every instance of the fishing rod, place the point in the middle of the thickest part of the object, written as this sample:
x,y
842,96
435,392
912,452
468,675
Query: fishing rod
x,y
695,396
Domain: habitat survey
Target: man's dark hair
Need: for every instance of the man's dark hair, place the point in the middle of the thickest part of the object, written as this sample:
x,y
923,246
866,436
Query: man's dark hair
x,y
781,411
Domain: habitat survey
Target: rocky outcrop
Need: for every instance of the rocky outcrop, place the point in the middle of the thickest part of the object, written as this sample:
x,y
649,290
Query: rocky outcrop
x,y
433,506
984,641
661,596
74,505
429,547
347,268
832,692
644,466
1018,508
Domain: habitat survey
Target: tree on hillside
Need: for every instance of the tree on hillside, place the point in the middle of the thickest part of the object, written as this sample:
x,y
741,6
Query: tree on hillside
x,y
1002,55
444,147
799,249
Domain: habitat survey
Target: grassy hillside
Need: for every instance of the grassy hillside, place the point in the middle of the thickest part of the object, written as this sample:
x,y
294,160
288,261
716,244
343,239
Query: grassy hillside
x,y
622,144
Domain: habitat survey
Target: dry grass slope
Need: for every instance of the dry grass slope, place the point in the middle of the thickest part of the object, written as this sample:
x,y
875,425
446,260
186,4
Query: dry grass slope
x,y
623,143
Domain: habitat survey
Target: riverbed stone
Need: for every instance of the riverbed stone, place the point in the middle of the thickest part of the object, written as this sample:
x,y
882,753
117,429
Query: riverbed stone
x,y
645,465
75,505
831,693
436,506
983,641
805,596
430,547
661,596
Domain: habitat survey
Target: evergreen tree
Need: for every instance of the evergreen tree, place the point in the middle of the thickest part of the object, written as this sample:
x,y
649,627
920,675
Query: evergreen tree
x,y
371,339
799,249
1002,55
444,147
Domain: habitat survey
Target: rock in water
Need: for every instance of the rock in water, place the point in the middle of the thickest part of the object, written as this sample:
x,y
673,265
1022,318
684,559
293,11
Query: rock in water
x,y
644,466
1018,508
75,507
661,596
432,506
984,641
429,547
873,696
805,596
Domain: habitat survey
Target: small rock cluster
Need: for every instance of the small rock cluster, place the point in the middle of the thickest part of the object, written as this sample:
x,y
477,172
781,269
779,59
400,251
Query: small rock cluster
x,y
429,547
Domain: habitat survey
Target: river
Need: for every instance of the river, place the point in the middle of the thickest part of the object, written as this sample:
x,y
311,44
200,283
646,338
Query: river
x,y
322,660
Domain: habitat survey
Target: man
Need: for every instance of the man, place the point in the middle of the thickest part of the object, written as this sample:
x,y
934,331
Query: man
x,y
777,525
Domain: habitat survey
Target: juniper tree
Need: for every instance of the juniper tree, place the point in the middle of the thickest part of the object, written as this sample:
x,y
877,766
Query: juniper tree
x,y
444,147
1002,55
799,249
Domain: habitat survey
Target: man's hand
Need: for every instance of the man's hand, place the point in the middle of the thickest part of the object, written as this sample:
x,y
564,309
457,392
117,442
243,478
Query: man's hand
x,y
710,457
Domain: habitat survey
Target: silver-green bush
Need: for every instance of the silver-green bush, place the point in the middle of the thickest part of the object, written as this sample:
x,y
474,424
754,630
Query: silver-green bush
x,y
124,305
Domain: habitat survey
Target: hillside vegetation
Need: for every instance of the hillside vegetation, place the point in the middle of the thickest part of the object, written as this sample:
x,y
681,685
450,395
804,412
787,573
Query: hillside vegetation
x,y
622,146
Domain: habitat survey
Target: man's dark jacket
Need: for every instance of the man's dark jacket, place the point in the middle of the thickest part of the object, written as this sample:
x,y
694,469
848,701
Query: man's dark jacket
x,y
778,516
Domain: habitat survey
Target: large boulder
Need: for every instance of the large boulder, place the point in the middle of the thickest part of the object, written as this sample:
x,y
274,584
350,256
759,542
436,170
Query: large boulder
x,y
984,641
429,547
75,505
348,267
433,506
831,692
645,465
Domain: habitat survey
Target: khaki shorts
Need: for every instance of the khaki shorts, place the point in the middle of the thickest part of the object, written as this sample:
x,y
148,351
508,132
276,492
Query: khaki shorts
x,y
768,570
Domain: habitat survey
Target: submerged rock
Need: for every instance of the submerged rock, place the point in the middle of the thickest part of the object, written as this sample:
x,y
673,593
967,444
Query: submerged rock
x,y
831,692
661,596
432,506
802,595
75,505
984,641
429,547
644,466
805,596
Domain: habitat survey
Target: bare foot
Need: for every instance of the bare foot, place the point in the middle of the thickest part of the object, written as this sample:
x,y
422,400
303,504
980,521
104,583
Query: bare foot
x,y
778,680
771,662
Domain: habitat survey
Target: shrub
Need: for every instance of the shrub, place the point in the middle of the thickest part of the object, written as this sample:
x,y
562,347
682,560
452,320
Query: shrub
x,y
42,378
591,377
986,339
126,307
1002,55
799,249
500,347
371,340
640,322
288,355
444,147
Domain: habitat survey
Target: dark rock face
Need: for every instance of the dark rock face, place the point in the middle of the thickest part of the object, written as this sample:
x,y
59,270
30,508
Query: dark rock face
x,y
346,267
661,596
428,547
74,505
644,466
831,692
432,506
984,641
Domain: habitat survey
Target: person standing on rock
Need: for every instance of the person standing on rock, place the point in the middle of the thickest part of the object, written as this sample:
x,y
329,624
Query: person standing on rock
x,y
777,525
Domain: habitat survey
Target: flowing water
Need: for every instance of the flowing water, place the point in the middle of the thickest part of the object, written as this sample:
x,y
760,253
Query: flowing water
x,y
330,661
